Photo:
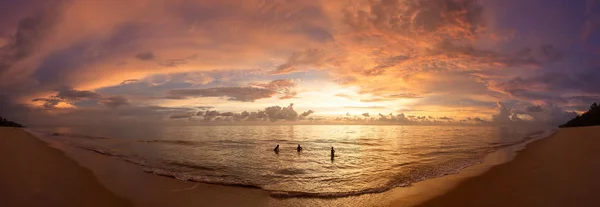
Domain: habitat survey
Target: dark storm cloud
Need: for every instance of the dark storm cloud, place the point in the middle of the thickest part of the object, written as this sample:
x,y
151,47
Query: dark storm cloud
x,y
67,95
243,94
71,94
115,101
282,88
430,16
64,64
48,102
540,114
522,57
551,53
30,32
181,116
549,86
175,62
536,108
145,56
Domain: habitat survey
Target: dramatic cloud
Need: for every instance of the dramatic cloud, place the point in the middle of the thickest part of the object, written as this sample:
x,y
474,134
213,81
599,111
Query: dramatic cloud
x,y
285,113
244,94
115,101
436,61
181,116
312,57
536,108
307,113
271,113
552,87
129,81
550,115
145,56
282,88
73,97
27,37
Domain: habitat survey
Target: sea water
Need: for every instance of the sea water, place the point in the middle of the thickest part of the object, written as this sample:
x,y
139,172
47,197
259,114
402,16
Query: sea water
x,y
368,158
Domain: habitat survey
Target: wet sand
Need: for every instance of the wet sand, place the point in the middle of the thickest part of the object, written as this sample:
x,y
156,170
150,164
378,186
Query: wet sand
x,y
561,170
33,174
146,189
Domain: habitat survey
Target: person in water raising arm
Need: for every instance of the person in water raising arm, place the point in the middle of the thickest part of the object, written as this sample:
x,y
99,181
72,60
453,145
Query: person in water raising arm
x,y
299,148
276,149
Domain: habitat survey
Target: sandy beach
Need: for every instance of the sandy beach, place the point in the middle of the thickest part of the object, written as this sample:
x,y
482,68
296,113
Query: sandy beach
x,y
34,174
557,171
561,170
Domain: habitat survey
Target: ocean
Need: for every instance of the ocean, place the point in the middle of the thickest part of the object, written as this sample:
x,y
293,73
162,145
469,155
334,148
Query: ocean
x,y
368,158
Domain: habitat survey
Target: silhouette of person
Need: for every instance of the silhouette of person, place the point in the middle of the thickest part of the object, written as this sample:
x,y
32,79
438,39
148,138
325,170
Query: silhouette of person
x,y
299,148
332,152
276,149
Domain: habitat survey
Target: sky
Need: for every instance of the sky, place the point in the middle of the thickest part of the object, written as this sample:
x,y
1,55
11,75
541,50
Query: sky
x,y
68,62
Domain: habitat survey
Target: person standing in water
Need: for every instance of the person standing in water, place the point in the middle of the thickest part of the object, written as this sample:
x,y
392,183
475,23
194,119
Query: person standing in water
x,y
299,148
332,152
276,149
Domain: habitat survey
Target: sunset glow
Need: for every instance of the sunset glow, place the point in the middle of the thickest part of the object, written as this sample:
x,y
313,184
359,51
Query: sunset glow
x,y
447,60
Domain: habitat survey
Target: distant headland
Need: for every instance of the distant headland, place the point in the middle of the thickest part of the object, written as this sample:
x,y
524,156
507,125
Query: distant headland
x,y
7,123
589,118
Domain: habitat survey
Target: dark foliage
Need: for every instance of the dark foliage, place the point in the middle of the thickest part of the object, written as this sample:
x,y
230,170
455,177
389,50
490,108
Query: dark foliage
x,y
589,118
7,123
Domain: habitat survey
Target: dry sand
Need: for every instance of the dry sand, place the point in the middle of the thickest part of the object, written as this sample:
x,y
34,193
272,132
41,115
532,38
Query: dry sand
x,y
562,170
33,174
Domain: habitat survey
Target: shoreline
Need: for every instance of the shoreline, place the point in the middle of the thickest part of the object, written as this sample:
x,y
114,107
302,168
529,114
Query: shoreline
x,y
411,195
560,170
423,191
147,189
127,180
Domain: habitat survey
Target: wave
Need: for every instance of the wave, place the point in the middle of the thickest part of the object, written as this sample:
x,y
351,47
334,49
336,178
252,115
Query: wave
x,y
330,195
175,169
137,161
174,142
405,180
201,179
76,135
525,139
192,165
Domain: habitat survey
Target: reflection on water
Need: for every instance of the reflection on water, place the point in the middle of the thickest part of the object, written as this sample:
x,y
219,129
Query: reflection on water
x,y
367,158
